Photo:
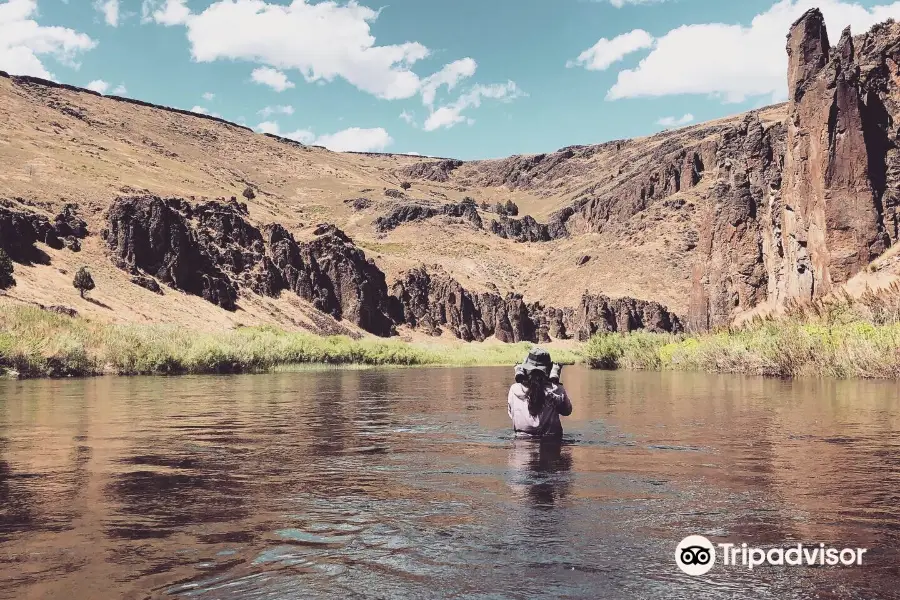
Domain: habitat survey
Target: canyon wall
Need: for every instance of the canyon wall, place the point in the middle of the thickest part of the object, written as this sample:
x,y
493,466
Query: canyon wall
x,y
213,251
432,300
799,209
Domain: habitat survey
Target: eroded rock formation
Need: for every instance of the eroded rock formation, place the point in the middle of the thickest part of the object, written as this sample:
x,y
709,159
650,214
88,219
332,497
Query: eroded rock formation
x,y
413,212
677,165
527,229
832,221
431,170
736,226
433,301
153,236
211,250
800,208
334,275
21,229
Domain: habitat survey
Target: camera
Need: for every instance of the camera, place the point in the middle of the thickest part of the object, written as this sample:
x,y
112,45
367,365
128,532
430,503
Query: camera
x,y
555,373
520,374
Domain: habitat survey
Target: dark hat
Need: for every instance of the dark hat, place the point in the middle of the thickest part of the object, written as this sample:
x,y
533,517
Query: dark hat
x,y
538,359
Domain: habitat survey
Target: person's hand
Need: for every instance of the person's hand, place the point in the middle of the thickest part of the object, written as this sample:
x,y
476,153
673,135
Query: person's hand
x,y
555,373
520,374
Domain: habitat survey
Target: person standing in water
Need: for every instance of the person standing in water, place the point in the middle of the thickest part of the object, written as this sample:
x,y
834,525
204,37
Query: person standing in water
x,y
537,399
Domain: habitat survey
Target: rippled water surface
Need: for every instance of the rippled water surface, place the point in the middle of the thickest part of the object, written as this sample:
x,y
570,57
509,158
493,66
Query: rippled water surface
x,y
408,484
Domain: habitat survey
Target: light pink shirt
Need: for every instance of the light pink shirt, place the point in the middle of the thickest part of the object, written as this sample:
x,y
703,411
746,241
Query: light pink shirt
x,y
547,421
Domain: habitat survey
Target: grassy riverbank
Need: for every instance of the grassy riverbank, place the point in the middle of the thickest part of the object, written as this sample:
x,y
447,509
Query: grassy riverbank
x,y
38,343
841,338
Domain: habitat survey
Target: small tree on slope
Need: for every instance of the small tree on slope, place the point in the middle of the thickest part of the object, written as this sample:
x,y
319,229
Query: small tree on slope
x,y
6,271
83,281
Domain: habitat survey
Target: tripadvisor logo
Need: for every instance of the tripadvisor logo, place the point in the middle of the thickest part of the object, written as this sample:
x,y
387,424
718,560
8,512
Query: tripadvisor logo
x,y
696,555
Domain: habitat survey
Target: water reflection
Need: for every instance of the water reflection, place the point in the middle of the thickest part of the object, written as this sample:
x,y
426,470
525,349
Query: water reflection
x,y
409,484
541,471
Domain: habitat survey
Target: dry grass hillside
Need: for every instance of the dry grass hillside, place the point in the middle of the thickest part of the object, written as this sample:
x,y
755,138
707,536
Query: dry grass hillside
x,y
63,145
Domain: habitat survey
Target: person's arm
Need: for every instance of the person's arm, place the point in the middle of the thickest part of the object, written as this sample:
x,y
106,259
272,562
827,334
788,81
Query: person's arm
x,y
564,403
509,401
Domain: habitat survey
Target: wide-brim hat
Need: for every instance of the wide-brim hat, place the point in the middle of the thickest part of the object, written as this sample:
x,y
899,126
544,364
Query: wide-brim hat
x,y
538,359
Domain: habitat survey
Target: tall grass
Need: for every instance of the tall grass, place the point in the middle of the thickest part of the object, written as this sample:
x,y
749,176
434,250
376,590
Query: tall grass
x,y
38,343
837,337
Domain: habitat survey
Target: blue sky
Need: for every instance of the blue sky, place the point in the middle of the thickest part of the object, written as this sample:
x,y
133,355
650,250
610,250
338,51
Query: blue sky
x,y
467,78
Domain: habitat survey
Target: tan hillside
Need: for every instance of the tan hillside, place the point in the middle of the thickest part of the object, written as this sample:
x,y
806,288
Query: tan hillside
x,y
63,145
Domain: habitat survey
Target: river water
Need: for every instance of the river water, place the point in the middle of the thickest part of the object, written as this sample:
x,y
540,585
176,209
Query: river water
x,y
407,483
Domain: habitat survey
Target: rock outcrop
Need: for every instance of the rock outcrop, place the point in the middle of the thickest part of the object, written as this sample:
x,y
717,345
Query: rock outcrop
x,y
334,275
211,250
148,283
433,302
358,203
800,208
21,229
730,275
524,172
596,314
677,165
527,229
431,170
413,212
153,236
832,219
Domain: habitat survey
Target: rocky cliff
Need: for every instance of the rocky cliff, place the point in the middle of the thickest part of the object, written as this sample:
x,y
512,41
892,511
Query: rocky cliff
x,y
212,250
432,301
800,208
527,229
417,211
21,228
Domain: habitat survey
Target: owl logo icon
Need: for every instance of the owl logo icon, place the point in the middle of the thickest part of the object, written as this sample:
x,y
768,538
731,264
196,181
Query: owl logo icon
x,y
695,555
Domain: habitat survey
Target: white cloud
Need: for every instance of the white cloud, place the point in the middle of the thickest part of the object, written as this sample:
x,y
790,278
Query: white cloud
x,y
209,96
322,40
110,11
273,78
120,90
165,12
98,85
408,118
733,61
304,136
199,109
450,76
621,3
301,135
451,114
22,40
268,111
673,122
604,53
268,127
354,139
